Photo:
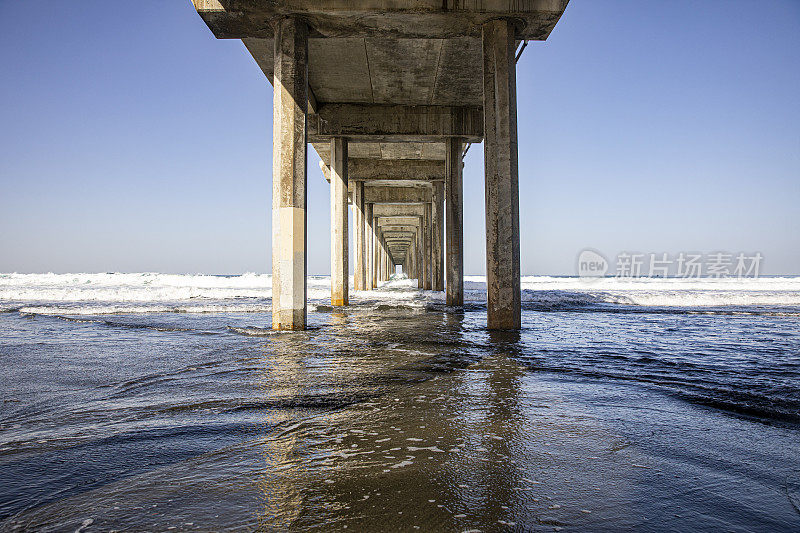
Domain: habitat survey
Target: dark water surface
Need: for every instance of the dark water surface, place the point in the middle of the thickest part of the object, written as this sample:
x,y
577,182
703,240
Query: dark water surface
x,y
395,417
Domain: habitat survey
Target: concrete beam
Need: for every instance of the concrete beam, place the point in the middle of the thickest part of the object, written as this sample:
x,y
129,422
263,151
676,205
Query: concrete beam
x,y
424,19
403,221
377,170
388,150
398,210
397,195
395,123
406,229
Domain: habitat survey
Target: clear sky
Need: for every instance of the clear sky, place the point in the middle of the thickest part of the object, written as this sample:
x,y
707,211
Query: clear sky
x,y
133,140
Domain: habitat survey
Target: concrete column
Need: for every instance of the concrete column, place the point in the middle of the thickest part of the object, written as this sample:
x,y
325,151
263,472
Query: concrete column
x,y
454,209
428,248
420,257
437,206
376,254
359,272
340,255
384,259
289,175
502,178
368,247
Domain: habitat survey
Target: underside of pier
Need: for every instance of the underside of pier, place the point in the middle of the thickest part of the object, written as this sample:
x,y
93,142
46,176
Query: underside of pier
x,y
390,94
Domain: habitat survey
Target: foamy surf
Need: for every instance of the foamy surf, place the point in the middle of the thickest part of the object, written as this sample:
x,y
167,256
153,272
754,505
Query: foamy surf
x,y
113,293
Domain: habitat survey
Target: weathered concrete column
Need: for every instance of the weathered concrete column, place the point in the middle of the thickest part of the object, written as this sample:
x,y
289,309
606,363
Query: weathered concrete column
x,y
359,272
437,205
454,209
368,247
502,178
417,257
420,254
428,248
289,175
384,259
340,268
376,254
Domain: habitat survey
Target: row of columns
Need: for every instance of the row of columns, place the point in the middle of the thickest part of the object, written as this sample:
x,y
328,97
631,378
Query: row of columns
x,y
424,252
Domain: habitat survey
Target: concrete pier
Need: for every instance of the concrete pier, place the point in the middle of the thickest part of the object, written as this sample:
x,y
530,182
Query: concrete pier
x,y
368,246
359,230
427,228
502,180
289,175
340,269
403,86
437,206
454,207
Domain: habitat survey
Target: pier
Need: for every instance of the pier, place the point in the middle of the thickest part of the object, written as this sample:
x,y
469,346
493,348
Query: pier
x,y
391,94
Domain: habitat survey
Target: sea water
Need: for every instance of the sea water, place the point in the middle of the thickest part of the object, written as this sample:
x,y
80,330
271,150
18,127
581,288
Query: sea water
x,y
161,402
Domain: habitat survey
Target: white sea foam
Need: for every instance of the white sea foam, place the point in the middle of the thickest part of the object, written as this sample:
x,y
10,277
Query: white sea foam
x,y
77,294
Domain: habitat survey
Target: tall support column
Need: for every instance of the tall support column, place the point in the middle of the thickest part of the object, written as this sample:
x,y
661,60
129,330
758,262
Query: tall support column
x,y
384,259
454,209
420,256
368,247
427,282
415,259
359,272
376,254
502,178
340,255
437,205
289,175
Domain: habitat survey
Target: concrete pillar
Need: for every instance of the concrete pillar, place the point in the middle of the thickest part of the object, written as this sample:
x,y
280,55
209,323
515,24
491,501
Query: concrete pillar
x,y
454,208
359,271
437,206
428,248
384,259
420,257
368,247
340,268
376,254
502,178
289,175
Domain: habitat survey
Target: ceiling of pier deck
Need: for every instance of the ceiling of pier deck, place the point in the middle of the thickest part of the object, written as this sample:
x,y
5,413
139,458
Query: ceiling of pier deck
x,y
372,150
385,70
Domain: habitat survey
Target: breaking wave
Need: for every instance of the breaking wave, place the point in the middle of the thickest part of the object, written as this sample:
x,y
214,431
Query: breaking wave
x,y
109,293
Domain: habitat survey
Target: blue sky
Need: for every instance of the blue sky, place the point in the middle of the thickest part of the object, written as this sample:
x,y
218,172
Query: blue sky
x,y
132,140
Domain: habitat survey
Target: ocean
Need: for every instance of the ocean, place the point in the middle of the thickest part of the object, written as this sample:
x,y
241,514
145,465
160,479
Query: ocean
x,y
155,402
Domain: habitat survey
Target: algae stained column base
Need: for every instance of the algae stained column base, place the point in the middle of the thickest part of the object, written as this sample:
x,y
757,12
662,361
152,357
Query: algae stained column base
x,y
502,178
289,175
340,268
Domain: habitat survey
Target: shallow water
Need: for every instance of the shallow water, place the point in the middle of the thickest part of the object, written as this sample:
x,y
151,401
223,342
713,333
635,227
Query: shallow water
x,y
603,413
